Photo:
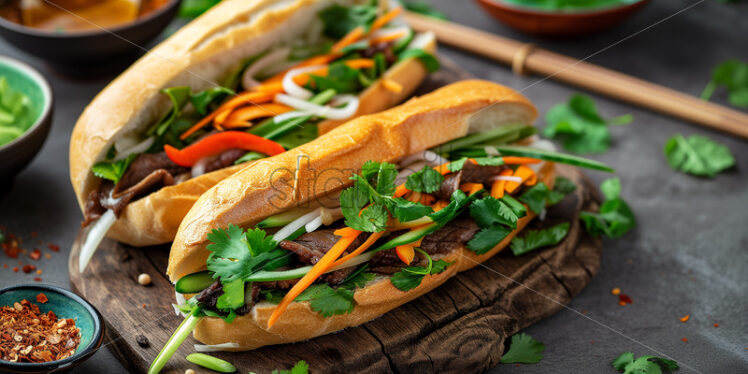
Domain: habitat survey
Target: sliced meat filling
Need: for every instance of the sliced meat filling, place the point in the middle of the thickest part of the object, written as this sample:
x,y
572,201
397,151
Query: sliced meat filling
x,y
213,163
470,173
310,248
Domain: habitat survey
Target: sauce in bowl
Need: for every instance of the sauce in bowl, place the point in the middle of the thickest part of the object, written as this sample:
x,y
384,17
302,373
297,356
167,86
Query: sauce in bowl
x,y
77,15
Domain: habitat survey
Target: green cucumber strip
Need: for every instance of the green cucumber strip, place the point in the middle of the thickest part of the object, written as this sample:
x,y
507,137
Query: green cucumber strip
x,y
171,346
508,130
274,130
263,127
194,283
281,219
402,44
249,156
284,127
408,237
553,156
211,362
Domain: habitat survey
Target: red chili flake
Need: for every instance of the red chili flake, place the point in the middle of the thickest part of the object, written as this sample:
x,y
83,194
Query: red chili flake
x,y
716,325
15,269
5,266
28,268
685,318
11,249
41,298
36,254
47,256
623,298
37,279
144,305
685,340
54,247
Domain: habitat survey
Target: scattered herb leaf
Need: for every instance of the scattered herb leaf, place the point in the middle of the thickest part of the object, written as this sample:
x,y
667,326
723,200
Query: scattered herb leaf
x,y
626,364
523,349
425,8
534,239
698,155
615,217
732,74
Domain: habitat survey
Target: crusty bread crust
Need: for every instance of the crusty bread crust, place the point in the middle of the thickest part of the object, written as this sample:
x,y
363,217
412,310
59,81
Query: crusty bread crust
x,y
296,177
199,54
299,322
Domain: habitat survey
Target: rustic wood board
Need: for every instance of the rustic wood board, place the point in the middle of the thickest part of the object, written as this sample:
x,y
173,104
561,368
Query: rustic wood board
x,y
460,327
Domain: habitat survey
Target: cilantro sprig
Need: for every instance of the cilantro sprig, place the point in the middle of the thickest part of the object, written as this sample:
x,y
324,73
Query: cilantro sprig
x,y
410,277
732,74
697,155
523,349
534,239
627,364
615,217
301,367
328,301
579,126
113,170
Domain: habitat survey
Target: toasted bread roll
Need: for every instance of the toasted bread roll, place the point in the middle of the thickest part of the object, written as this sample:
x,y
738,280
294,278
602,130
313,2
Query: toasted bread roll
x,y
200,55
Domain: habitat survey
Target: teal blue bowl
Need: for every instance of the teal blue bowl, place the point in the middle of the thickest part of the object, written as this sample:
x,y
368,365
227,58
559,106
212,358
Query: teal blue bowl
x,y
64,304
16,154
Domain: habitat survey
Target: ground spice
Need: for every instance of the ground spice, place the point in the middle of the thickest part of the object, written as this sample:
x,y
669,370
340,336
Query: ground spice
x,y
36,254
716,325
37,279
15,269
685,340
624,299
685,318
28,268
27,335
54,247
41,298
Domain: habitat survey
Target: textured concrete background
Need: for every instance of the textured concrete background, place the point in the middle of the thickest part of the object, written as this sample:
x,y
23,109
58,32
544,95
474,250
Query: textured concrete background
x,y
687,256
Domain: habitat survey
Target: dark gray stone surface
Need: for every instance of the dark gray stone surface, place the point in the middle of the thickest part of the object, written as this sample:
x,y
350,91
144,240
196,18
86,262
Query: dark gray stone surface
x,y
687,256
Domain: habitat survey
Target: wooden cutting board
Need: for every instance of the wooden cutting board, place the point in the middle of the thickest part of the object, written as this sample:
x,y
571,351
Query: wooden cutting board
x,y
460,327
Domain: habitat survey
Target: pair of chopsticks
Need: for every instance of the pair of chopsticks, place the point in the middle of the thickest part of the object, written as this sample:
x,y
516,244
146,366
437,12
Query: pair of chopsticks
x,y
525,59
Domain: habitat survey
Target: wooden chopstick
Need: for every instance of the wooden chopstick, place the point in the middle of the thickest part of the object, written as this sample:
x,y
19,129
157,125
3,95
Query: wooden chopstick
x,y
525,58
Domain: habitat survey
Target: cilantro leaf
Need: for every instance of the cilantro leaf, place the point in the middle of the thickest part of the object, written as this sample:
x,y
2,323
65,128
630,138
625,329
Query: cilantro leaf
x,y
114,170
733,74
301,367
457,165
405,210
514,205
425,180
232,258
615,217
194,8
430,62
425,8
536,197
410,277
233,295
626,364
489,161
352,200
340,77
329,301
274,296
381,176
534,239
487,238
523,349
697,155
179,97
339,20
561,187
203,99
579,126
490,211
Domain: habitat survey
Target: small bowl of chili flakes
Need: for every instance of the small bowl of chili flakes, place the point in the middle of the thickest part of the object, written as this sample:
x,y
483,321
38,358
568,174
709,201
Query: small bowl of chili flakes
x,y
45,328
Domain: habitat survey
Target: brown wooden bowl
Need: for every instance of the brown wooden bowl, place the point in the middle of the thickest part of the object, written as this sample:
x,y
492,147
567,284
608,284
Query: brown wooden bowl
x,y
565,23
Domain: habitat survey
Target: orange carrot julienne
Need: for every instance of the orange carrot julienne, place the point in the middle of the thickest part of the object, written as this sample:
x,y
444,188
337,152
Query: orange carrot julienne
x,y
319,268
439,205
346,231
358,63
511,160
240,99
427,199
471,188
350,38
257,111
497,189
271,87
385,19
528,176
406,253
363,247
387,38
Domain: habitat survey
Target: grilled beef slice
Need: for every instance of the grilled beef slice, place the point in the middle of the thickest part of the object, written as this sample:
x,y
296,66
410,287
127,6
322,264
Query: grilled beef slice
x,y
470,173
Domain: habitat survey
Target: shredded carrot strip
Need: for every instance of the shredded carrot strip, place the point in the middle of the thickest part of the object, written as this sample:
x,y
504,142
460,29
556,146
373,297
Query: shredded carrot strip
x,y
406,253
427,199
272,87
240,99
363,247
248,113
347,231
385,19
359,63
414,197
320,268
471,188
387,38
439,205
350,38
520,160
526,174
391,85
497,189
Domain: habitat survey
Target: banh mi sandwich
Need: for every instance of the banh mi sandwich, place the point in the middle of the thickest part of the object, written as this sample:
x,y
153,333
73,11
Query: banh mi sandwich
x,y
349,226
247,80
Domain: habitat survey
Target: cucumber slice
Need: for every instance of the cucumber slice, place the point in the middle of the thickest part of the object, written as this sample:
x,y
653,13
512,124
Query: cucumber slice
x,y
514,205
408,237
403,43
194,283
249,156
510,132
281,219
553,156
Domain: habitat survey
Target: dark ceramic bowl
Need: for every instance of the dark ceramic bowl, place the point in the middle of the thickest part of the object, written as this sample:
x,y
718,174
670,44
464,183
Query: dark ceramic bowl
x,y
19,152
90,52
559,23
64,304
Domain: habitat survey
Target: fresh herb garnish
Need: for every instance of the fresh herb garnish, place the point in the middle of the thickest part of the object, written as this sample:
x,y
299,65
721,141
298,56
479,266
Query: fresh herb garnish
x,y
113,170
194,8
425,8
615,217
697,155
561,187
410,277
523,350
339,20
579,127
732,74
301,367
429,60
328,301
236,254
425,180
497,219
203,99
340,77
534,239
536,197
626,364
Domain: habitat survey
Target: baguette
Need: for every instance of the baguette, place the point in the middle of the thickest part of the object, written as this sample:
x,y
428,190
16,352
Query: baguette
x,y
276,184
198,55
